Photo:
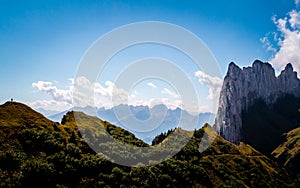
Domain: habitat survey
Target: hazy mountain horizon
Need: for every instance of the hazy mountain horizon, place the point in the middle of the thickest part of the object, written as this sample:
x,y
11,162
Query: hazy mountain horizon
x,y
142,113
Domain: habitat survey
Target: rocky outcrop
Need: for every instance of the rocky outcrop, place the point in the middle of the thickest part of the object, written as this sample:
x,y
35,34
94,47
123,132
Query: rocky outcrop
x,y
241,87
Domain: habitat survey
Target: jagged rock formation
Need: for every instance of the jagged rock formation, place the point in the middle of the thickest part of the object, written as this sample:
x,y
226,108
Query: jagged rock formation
x,y
241,87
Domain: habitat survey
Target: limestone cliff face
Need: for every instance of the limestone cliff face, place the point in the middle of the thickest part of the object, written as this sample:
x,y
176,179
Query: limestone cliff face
x,y
241,87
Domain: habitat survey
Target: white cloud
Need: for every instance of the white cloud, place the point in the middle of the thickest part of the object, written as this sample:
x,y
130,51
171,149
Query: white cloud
x,y
56,94
294,19
171,104
87,93
297,2
287,39
267,44
150,84
166,91
214,84
82,92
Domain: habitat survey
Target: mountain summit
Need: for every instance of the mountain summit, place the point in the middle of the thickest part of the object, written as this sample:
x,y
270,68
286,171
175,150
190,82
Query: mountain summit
x,y
242,87
18,114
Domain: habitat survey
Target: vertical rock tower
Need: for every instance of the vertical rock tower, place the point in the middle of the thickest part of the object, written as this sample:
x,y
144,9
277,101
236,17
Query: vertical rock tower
x,y
241,87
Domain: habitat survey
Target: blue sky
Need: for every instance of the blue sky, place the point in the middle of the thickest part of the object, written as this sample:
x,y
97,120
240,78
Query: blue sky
x,y
45,40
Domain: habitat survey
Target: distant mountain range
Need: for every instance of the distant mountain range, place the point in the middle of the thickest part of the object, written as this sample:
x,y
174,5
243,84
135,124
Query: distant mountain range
x,y
126,113
47,113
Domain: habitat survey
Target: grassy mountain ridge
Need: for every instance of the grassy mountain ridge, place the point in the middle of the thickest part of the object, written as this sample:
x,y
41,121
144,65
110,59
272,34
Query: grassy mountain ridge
x,y
98,127
37,154
288,153
18,114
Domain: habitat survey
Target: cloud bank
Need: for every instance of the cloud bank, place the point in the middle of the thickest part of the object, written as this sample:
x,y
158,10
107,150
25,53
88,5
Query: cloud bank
x,y
57,94
287,41
82,92
150,84
214,84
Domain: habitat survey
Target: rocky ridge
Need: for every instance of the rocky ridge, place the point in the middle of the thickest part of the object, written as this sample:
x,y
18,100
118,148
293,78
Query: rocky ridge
x,y
243,86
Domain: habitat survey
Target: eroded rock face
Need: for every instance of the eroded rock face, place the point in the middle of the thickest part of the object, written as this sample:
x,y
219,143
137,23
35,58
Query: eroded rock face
x,y
241,87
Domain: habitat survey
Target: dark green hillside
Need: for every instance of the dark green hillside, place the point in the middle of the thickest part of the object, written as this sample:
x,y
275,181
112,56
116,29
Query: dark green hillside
x,y
288,153
36,152
264,126
225,164
98,127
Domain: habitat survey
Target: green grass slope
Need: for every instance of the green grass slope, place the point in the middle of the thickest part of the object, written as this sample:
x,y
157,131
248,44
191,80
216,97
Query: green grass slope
x,y
288,153
228,165
18,114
